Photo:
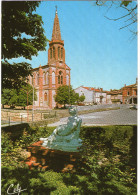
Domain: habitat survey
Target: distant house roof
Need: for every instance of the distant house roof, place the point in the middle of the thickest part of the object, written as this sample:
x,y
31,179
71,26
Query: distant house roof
x,y
133,85
94,89
114,92
89,88
98,90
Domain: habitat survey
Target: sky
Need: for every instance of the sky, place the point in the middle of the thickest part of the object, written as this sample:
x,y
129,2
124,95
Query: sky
x,y
98,53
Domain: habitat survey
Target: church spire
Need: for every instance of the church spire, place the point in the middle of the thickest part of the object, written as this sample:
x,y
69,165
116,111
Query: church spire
x,y
56,35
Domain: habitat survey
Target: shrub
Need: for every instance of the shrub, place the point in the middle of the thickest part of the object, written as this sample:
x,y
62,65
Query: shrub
x,y
109,154
6,142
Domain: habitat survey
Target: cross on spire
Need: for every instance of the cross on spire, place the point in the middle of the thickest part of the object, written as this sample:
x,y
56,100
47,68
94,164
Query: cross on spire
x,y
56,35
56,9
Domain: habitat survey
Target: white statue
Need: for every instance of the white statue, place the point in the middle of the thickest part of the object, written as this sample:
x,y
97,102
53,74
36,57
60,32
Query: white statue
x,y
66,137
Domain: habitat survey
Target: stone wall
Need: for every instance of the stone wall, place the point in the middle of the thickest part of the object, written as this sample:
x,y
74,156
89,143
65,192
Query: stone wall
x,y
9,115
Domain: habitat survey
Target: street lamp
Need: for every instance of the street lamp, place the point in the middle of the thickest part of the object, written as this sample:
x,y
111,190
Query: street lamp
x,y
27,99
69,95
33,99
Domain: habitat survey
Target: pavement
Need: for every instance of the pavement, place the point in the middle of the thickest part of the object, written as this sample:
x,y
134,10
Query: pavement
x,y
122,116
11,124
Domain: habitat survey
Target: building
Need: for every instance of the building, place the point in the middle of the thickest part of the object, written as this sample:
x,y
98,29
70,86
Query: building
x,y
99,96
126,95
114,96
92,95
129,94
46,79
87,92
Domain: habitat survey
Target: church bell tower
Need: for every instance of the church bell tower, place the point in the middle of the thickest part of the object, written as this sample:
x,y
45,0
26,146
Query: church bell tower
x,y
59,72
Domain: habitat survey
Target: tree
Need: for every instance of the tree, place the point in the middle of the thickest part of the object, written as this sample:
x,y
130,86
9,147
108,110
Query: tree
x,y
81,98
9,97
14,75
25,96
130,18
18,97
22,36
77,97
65,95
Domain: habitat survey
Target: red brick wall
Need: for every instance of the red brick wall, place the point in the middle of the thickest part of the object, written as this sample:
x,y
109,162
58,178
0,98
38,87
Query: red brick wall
x,y
40,86
127,92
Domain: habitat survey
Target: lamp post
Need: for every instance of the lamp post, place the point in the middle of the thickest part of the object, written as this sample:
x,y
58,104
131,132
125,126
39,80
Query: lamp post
x,y
69,95
33,101
27,104
27,99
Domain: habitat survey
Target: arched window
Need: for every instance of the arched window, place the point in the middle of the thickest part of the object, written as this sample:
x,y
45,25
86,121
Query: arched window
x,y
61,52
44,78
45,96
30,79
58,52
53,78
53,52
32,82
60,77
67,79
34,78
47,78
37,79
50,52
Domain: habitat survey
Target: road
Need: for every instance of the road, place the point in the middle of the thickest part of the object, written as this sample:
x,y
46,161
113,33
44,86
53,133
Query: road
x,y
122,116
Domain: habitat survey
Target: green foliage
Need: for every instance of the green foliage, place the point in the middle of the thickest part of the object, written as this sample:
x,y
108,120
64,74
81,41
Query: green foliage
x,y
22,36
81,98
18,97
6,143
14,75
126,3
18,18
110,160
24,92
14,143
77,97
36,182
65,95
9,97
33,135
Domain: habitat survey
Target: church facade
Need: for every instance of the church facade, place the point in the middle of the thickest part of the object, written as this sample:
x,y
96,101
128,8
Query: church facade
x,y
46,79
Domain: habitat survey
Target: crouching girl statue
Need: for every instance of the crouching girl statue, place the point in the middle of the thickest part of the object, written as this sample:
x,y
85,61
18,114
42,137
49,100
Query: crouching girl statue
x,y
66,137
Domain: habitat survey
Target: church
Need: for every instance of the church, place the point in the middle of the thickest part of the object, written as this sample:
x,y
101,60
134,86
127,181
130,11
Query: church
x,y
46,79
